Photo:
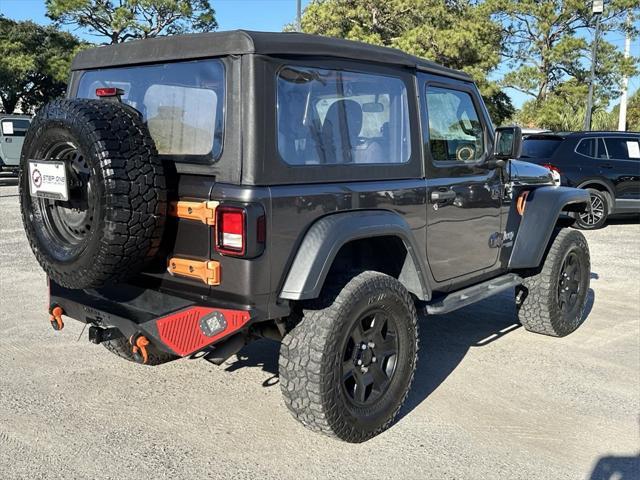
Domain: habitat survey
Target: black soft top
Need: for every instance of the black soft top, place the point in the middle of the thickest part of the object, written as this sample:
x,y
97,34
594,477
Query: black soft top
x,y
241,42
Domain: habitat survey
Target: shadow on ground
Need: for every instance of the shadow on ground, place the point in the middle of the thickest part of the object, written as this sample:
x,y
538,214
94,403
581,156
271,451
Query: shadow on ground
x,y
616,468
444,342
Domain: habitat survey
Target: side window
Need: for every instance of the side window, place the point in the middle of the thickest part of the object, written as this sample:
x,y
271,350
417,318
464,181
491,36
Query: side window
x,y
623,148
587,147
341,117
14,127
602,150
455,131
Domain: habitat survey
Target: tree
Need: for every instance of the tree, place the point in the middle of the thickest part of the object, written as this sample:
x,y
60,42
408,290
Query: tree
x,y
455,33
34,63
548,56
123,20
633,114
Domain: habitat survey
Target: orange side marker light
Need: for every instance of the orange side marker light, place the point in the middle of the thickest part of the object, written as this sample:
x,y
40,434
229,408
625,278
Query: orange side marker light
x,y
521,203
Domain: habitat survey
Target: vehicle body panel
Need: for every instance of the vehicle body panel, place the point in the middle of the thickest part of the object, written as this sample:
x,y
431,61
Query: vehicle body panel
x,y
12,132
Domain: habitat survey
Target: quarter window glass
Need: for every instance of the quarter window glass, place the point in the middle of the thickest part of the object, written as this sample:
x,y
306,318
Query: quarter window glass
x,y
14,127
622,148
455,131
341,117
181,103
587,147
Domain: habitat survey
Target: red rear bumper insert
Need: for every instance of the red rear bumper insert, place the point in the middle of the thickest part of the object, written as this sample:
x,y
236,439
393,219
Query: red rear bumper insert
x,y
184,331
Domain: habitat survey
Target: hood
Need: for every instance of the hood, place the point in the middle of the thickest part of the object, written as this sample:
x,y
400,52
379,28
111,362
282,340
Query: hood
x,y
525,173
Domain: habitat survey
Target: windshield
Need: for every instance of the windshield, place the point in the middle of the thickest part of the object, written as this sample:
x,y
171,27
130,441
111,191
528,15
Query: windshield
x,y
539,147
181,103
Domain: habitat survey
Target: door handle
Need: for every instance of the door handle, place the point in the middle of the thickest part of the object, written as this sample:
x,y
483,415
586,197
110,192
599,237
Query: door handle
x,y
606,165
442,195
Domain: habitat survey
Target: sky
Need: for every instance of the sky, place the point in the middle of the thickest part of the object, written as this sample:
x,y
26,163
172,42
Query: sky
x,y
265,15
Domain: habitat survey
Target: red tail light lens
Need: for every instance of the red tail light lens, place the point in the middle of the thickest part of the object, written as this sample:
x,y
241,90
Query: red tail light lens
x,y
553,168
231,228
109,92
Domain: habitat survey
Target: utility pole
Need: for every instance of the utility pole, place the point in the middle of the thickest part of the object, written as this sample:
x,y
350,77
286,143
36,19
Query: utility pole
x,y
299,16
622,119
598,8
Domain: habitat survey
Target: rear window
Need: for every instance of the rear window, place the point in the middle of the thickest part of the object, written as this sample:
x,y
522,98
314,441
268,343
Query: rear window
x,y
181,103
341,117
539,147
14,127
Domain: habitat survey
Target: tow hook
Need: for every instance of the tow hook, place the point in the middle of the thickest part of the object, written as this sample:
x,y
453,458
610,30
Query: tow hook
x,y
55,317
139,345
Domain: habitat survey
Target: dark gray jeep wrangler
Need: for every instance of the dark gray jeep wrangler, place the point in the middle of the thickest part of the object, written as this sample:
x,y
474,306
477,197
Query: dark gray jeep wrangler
x,y
194,193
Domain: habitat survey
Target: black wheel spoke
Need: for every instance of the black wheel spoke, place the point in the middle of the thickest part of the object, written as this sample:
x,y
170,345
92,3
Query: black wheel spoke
x,y
357,335
369,357
380,378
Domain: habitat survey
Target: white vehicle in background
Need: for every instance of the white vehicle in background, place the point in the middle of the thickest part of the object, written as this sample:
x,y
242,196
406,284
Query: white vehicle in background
x,y
12,131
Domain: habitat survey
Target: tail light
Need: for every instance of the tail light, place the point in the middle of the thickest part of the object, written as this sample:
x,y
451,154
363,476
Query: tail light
x,y
240,230
109,92
555,173
231,230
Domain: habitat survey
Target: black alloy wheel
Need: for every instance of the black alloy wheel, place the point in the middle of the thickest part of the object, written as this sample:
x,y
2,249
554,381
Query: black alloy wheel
x,y
71,221
569,283
370,357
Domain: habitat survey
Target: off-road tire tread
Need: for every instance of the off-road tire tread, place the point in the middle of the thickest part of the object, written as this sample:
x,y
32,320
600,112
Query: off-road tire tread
x,y
135,189
306,379
538,312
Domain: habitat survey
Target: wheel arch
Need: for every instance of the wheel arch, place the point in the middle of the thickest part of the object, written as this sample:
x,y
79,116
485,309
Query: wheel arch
x,y
375,235
540,218
602,186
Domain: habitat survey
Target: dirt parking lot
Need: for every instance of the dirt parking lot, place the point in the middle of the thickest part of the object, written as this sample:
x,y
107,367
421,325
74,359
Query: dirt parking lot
x,y
490,400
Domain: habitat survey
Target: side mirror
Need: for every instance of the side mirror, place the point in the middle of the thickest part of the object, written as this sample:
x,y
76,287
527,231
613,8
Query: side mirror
x,y
507,143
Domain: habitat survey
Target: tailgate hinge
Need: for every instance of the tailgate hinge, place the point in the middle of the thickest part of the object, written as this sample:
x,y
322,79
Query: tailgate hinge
x,y
202,211
208,271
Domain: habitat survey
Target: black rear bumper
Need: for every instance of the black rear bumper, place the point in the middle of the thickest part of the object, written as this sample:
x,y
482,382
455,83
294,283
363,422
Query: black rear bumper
x,y
173,324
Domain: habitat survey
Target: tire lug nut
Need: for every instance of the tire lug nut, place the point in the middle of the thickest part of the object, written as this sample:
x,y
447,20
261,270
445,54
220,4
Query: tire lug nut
x,y
374,359
359,362
364,346
371,344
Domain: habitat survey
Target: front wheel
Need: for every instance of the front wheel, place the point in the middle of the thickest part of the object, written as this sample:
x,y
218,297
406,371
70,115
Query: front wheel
x,y
552,300
346,368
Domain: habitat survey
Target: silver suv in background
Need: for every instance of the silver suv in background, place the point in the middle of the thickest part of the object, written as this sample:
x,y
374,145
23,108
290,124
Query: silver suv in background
x,y
12,131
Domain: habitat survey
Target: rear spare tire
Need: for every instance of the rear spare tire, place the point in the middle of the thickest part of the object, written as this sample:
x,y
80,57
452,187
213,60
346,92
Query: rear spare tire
x,y
113,221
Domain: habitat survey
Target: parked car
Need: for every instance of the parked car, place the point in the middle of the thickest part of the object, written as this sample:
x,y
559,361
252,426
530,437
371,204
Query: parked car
x,y
607,164
194,193
12,131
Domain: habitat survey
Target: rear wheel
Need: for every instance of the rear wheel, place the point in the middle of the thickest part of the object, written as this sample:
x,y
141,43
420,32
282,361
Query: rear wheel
x,y
596,215
552,300
346,368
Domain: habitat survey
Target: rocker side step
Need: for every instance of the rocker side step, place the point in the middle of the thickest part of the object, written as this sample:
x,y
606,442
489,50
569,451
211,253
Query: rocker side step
x,y
473,294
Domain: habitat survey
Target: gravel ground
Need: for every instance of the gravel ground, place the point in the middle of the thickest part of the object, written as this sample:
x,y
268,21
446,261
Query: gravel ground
x,y
490,400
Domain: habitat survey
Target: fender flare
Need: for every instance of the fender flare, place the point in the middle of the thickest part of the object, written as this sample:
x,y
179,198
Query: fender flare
x,y
544,205
328,235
